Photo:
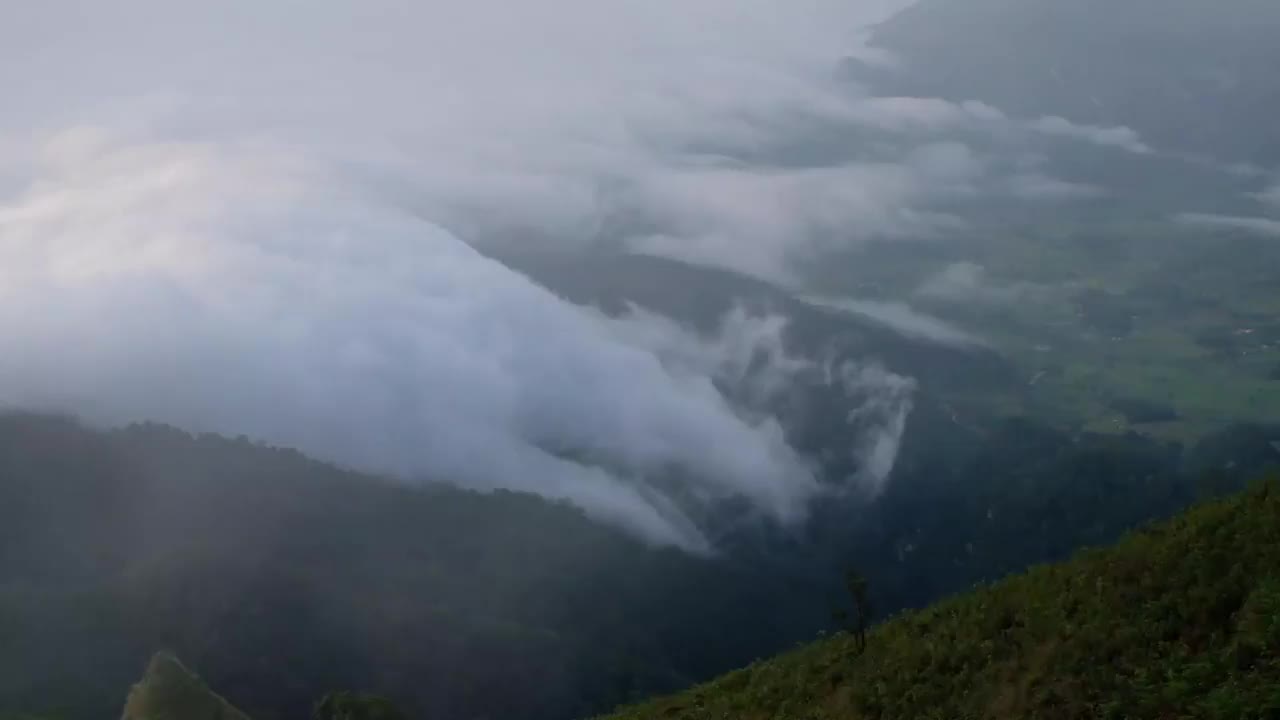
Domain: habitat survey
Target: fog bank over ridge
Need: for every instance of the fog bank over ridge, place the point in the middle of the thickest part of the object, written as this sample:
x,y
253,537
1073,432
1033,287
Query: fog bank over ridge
x,y
284,235
226,288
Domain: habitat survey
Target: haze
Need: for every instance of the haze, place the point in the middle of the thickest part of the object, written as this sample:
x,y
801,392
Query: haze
x,y
287,219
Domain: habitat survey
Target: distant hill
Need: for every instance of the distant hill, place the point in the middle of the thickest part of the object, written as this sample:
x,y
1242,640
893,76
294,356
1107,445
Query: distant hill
x,y
1179,620
169,690
1190,76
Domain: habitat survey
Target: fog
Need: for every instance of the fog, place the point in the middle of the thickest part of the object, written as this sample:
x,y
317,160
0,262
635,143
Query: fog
x,y
903,319
251,219
277,219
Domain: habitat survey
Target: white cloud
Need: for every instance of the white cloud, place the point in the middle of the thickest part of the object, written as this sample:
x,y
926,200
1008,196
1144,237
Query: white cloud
x,y
1038,186
261,218
761,223
931,114
1271,196
1259,225
901,318
242,288
884,401
1120,137
510,123
967,282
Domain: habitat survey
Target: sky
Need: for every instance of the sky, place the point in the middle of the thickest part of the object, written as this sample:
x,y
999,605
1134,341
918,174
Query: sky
x,y
276,219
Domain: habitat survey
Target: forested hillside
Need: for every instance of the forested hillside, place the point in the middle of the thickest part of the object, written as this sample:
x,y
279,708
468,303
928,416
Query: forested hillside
x,y
1179,620
280,578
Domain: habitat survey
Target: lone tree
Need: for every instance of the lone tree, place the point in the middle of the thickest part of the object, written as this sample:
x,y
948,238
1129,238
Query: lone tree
x,y
855,621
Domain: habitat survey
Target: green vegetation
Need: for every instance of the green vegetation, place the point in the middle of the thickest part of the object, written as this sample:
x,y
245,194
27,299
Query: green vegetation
x,y
1179,620
282,578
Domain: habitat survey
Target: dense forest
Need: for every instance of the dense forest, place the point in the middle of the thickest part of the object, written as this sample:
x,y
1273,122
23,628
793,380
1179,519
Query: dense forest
x,y
281,578
1180,619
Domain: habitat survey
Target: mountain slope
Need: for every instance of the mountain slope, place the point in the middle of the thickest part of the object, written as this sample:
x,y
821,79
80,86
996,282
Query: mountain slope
x,y
282,578
170,690
1181,619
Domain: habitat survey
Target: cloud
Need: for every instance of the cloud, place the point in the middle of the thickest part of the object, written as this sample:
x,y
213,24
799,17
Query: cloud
x,y
1038,186
882,403
579,122
283,235
749,354
752,221
1271,196
1119,137
930,114
901,318
967,282
240,288
1268,197
1259,225
936,115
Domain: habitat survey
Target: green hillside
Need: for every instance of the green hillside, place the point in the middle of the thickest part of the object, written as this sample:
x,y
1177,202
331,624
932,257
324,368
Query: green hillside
x,y
1179,620
280,579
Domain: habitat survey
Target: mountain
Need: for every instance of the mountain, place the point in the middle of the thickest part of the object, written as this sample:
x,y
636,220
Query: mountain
x,y
1179,619
1189,76
169,690
282,578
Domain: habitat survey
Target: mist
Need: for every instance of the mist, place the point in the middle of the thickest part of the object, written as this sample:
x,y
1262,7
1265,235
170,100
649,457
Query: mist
x,y
278,221
529,360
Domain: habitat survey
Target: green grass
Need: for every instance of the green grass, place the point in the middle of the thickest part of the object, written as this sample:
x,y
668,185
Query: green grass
x,y
1179,620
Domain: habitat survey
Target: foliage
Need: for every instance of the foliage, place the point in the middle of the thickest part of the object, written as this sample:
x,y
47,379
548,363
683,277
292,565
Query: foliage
x,y
1179,620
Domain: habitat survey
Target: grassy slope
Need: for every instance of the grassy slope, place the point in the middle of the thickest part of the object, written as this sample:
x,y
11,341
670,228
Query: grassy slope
x,y
1180,620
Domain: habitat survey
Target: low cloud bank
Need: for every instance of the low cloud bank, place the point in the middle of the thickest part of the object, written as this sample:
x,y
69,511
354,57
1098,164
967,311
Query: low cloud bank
x,y
902,319
278,236
238,288
1258,225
